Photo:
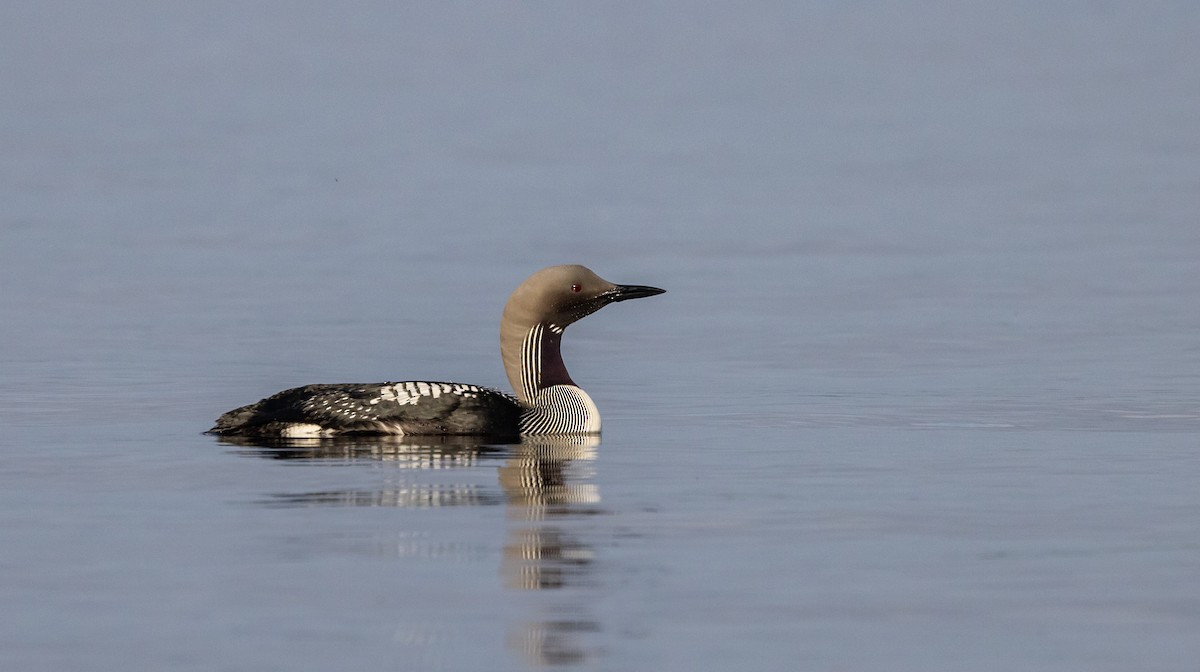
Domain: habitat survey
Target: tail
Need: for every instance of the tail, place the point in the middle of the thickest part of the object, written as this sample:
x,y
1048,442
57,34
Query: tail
x,y
235,420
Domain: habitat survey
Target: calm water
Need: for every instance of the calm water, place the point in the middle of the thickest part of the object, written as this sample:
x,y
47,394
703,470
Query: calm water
x,y
924,392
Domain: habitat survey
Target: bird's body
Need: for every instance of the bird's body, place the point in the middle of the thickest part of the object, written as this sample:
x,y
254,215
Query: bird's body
x,y
411,407
547,401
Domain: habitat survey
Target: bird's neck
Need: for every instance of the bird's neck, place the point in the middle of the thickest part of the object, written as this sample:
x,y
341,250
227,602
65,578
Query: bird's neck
x,y
533,359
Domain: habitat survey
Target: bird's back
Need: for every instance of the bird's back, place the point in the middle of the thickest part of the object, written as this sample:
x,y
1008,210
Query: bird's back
x,y
411,408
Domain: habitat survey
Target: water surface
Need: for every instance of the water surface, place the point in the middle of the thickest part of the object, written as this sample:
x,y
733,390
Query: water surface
x,y
922,393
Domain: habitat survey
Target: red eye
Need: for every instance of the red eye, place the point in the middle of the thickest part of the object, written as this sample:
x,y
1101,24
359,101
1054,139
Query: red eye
x,y
575,288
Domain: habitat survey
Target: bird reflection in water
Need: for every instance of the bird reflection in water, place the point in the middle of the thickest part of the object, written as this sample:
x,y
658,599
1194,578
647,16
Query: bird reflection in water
x,y
543,483
402,488
545,480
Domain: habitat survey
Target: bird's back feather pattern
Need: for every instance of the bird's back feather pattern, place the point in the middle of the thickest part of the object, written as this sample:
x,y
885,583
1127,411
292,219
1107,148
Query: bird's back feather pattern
x,y
411,407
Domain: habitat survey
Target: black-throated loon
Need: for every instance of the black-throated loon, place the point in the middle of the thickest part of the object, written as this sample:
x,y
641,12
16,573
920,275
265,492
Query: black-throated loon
x,y
547,401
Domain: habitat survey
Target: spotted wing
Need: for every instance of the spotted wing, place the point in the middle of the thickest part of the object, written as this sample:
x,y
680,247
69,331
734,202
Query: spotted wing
x,y
412,407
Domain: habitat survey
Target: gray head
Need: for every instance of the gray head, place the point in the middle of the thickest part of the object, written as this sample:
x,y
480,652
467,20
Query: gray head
x,y
559,295
553,298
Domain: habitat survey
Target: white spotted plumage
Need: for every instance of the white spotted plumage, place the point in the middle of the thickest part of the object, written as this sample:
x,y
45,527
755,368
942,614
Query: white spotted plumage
x,y
412,392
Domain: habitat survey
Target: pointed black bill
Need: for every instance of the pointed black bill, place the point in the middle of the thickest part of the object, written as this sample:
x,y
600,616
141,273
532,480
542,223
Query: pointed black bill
x,y
626,292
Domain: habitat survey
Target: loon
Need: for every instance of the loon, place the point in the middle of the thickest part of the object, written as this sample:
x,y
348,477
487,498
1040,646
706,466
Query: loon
x,y
547,401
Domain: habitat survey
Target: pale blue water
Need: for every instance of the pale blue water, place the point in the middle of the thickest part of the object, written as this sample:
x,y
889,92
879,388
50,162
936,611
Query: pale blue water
x,y
923,393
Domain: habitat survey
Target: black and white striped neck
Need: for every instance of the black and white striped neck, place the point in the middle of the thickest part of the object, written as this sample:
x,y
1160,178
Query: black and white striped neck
x,y
556,405
561,409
